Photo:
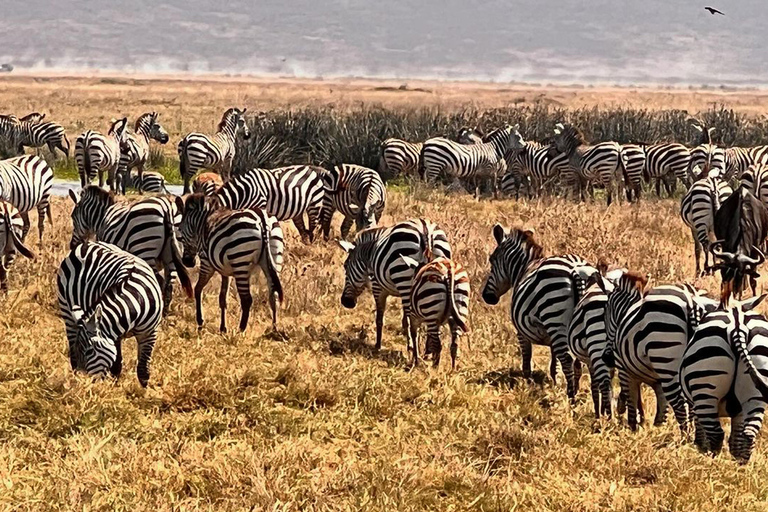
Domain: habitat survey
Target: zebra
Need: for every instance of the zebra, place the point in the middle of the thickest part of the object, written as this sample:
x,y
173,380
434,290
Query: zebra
x,y
232,243
374,259
633,158
738,160
198,151
95,152
724,372
106,294
206,183
11,229
755,179
440,156
285,193
587,339
647,332
144,228
152,182
705,156
26,182
135,147
357,192
597,163
667,163
698,208
32,131
544,296
399,157
439,294
534,162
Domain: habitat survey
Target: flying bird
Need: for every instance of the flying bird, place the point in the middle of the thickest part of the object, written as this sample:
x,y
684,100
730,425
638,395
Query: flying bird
x,y
714,11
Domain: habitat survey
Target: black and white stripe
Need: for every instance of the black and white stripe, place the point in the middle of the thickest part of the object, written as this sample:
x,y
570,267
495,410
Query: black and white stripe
x,y
666,163
647,332
26,182
233,243
755,179
148,181
135,147
33,132
724,372
11,232
444,157
206,183
146,229
97,153
399,157
532,164
106,294
634,163
698,208
738,159
286,193
543,298
356,192
199,151
375,259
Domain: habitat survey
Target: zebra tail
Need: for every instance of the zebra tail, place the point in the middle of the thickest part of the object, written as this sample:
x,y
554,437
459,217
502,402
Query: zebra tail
x,y
739,343
183,160
181,270
382,170
454,308
271,268
86,161
420,167
66,145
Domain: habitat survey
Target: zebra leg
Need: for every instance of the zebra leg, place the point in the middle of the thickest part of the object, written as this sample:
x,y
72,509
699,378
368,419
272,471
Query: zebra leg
x,y
433,339
594,387
346,227
411,331
697,248
187,189
313,216
43,210
552,366
743,440
140,184
146,344
223,303
25,228
455,334
206,272
301,228
577,370
661,406
526,352
3,277
117,366
243,284
381,305
633,403
168,287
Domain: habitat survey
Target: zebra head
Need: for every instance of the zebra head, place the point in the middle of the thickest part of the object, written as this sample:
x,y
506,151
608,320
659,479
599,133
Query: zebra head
x,y
469,136
357,265
195,211
233,122
567,138
89,212
626,291
94,352
151,128
515,250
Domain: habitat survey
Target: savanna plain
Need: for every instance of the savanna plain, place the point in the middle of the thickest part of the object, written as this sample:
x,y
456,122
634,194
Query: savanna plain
x,y
311,417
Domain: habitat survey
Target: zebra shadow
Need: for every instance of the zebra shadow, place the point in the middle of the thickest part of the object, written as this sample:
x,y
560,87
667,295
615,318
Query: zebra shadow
x,y
355,341
509,378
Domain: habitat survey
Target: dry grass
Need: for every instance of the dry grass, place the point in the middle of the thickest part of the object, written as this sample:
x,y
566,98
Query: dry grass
x,y
318,421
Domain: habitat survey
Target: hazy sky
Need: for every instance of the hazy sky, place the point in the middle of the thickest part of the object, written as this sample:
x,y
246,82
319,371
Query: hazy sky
x,y
571,40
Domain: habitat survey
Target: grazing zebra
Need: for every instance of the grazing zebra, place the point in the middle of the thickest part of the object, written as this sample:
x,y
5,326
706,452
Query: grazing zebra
x,y
724,372
285,193
587,340
399,157
144,228
357,192
11,231
599,163
532,163
152,182
634,163
26,182
439,295
95,152
375,259
698,208
755,179
198,151
31,131
647,332
135,147
206,183
543,298
667,163
232,243
706,155
738,160
106,294
441,156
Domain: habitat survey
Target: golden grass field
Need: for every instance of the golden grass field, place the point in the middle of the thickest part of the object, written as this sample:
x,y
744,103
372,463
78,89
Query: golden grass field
x,y
315,419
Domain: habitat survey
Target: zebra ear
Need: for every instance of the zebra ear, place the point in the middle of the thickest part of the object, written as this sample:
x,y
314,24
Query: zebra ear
x,y
499,234
92,322
410,262
750,304
347,246
73,196
179,204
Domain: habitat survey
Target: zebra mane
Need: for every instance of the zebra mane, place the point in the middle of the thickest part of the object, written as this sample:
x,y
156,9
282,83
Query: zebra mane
x,y
633,283
571,136
33,117
228,117
524,238
144,121
369,235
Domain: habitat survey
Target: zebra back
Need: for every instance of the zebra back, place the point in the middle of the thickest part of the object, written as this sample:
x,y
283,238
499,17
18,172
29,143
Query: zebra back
x,y
26,182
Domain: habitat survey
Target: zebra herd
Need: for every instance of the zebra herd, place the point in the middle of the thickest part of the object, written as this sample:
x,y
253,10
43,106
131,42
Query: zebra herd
x,y
703,358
